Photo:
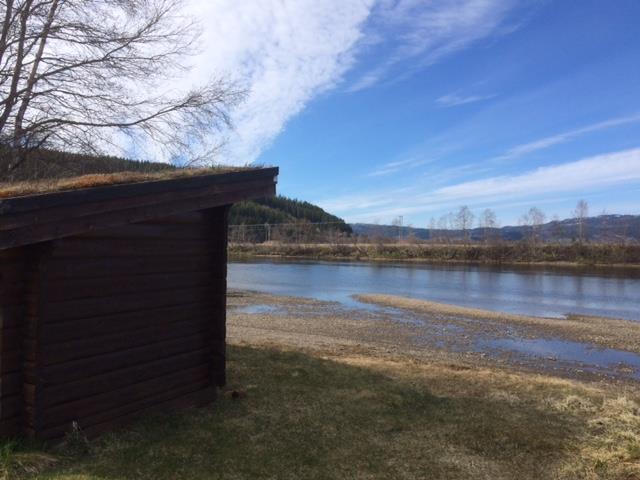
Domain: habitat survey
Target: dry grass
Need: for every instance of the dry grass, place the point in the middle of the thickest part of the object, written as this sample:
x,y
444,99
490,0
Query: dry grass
x,y
514,253
317,415
605,332
17,189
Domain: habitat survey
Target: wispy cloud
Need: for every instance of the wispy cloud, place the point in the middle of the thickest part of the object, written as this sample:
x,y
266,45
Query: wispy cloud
x,y
424,33
616,168
454,100
289,52
547,142
397,166
286,53
599,171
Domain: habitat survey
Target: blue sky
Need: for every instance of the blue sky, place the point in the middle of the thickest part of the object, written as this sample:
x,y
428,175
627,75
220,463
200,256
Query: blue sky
x,y
374,109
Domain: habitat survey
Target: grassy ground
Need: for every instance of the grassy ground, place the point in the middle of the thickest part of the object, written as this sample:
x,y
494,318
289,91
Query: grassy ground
x,y
506,252
306,415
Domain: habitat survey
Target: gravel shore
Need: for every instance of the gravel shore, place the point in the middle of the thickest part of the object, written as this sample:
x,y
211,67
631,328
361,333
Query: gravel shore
x,y
600,331
395,327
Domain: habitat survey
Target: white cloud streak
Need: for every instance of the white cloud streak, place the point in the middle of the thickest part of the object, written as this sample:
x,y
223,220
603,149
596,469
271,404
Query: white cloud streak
x,y
616,168
548,142
454,100
285,52
599,171
424,33
397,166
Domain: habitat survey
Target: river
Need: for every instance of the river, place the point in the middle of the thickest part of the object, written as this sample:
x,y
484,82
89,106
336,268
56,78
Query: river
x,y
538,291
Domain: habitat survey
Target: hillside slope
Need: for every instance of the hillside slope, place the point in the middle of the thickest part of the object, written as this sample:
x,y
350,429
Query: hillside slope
x,y
283,210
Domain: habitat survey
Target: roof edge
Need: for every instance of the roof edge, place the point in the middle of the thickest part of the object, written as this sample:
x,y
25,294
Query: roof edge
x,y
38,218
25,203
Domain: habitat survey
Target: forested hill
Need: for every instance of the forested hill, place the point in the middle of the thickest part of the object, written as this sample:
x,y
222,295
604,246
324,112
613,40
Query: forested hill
x,y
279,210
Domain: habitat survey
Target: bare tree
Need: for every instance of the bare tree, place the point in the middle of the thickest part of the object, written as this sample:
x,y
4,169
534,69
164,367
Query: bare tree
x,y
88,76
397,222
464,221
604,227
443,226
489,223
581,213
534,219
557,229
411,234
432,229
451,234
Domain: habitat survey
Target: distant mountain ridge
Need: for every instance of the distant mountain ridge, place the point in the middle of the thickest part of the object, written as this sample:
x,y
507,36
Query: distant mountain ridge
x,y
602,228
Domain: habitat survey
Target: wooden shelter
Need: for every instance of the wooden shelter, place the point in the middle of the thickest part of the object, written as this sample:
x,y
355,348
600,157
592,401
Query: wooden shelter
x,y
112,300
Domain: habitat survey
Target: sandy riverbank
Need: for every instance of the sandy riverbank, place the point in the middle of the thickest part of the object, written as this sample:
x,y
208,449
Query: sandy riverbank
x,y
427,332
601,331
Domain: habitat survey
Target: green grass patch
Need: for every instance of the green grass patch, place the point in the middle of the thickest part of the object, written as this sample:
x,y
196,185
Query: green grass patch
x,y
312,418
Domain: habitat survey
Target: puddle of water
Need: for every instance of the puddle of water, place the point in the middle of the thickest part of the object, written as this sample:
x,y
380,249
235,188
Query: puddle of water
x,y
259,309
396,314
567,351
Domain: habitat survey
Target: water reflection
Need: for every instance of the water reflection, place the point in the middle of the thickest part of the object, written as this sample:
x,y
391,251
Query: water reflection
x,y
591,358
527,290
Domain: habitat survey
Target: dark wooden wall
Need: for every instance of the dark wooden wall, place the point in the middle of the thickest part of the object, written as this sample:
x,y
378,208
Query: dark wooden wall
x,y
13,277
123,320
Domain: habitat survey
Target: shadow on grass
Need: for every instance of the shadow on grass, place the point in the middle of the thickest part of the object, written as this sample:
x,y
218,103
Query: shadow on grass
x,y
304,417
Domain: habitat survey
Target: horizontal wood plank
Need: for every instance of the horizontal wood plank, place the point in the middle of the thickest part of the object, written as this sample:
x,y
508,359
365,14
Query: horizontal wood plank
x,y
128,322
196,395
10,339
60,269
101,306
10,384
74,247
89,367
117,285
11,406
54,353
11,361
113,399
11,427
152,230
61,393
11,315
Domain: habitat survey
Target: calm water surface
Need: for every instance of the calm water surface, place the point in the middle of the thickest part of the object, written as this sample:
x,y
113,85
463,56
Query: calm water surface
x,y
550,292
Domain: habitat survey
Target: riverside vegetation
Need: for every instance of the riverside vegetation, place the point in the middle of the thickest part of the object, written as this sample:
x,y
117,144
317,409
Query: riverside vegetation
x,y
512,252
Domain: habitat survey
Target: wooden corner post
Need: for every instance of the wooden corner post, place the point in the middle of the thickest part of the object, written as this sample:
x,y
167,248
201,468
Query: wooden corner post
x,y
217,220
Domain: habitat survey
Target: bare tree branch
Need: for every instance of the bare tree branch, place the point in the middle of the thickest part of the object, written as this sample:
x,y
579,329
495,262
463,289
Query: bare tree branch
x,y
87,76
